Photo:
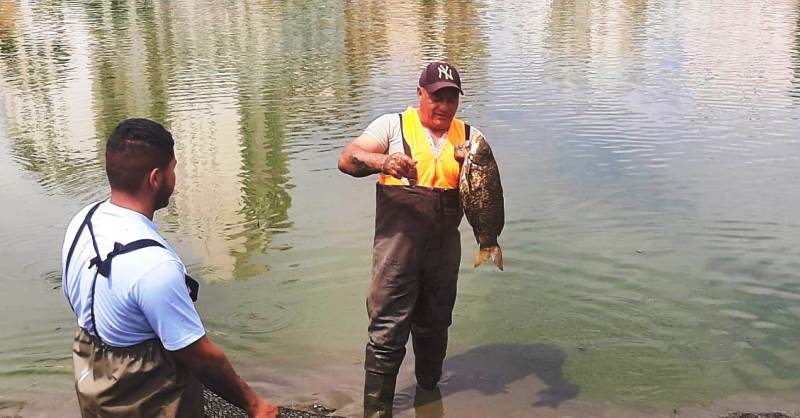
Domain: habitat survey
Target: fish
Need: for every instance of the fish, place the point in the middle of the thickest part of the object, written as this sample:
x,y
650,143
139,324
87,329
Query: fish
x,y
482,200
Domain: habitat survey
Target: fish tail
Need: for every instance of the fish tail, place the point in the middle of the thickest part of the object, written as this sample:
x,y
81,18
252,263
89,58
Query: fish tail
x,y
494,253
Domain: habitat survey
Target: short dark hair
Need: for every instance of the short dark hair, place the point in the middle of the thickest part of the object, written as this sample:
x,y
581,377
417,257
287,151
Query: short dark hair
x,y
134,149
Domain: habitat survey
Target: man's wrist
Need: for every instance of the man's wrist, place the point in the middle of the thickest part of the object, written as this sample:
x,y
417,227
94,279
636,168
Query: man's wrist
x,y
384,164
253,403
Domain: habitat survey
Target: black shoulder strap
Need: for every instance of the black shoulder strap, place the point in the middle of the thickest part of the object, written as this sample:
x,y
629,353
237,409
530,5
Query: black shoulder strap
x,y
193,286
104,266
406,147
466,132
86,220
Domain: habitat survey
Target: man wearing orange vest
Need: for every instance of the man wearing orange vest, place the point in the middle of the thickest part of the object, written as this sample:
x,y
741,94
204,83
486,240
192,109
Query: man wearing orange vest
x,y
417,248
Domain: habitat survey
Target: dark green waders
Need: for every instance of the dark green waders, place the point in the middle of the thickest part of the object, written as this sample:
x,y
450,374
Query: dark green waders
x,y
416,256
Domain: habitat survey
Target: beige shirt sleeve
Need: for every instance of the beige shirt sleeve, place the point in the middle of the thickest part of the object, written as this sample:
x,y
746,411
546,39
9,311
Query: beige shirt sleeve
x,y
385,130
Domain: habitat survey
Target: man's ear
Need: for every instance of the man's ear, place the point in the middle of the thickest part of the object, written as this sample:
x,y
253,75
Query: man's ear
x,y
155,178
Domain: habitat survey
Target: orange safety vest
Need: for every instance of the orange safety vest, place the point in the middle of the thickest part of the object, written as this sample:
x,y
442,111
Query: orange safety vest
x,y
439,173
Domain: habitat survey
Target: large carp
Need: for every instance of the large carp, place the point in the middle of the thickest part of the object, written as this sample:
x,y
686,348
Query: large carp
x,y
482,199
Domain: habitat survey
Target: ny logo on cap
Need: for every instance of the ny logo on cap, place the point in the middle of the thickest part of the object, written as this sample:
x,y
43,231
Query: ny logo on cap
x,y
445,72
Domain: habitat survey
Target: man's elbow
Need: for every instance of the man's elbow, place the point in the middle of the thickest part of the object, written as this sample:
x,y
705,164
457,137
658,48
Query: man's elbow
x,y
346,165
343,166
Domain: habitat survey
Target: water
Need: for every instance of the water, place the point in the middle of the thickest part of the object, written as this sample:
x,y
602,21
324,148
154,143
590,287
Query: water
x,y
649,153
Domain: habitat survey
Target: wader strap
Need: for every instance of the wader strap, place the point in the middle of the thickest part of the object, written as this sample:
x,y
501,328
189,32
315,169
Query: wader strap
x,y
193,286
86,220
104,266
412,178
104,269
406,147
78,235
466,132
91,309
94,279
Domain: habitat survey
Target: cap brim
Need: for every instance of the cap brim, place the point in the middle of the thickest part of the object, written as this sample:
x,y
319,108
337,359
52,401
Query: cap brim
x,y
432,88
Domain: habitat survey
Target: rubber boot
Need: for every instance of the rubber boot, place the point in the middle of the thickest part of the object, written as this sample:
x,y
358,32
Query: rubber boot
x,y
428,403
429,352
378,395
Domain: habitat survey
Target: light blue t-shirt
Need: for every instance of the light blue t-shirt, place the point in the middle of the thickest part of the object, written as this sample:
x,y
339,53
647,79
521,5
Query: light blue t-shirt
x,y
145,297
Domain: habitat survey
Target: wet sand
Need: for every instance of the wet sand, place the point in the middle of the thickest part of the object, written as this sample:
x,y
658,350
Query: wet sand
x,y
466,392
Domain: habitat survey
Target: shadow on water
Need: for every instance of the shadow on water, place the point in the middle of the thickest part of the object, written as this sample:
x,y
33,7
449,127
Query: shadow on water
x,y
491,369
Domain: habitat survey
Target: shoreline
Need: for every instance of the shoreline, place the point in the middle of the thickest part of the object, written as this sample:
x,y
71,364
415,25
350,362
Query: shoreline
x,y
463,395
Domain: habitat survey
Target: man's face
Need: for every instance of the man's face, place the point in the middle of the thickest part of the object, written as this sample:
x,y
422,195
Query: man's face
x,y
167,185
438,109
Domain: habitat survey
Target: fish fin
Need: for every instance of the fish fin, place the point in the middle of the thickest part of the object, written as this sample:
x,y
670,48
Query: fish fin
x,y
497,257
494,253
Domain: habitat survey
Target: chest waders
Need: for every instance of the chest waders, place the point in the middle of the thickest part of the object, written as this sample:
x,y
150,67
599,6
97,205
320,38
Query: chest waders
x,y
140,381
416,257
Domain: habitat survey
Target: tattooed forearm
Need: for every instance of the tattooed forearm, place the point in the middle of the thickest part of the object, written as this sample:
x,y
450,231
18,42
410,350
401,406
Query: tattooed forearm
x,y
359,162
361,168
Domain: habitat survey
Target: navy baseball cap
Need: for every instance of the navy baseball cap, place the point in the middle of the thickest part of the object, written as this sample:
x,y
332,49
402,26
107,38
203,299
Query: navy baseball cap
x,y
438,75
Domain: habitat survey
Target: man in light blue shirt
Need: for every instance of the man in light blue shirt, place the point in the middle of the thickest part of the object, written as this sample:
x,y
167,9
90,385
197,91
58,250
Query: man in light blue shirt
x,y
147,297
141,349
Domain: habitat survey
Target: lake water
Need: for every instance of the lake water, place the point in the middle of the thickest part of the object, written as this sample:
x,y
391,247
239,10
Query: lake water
x,y
649,152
